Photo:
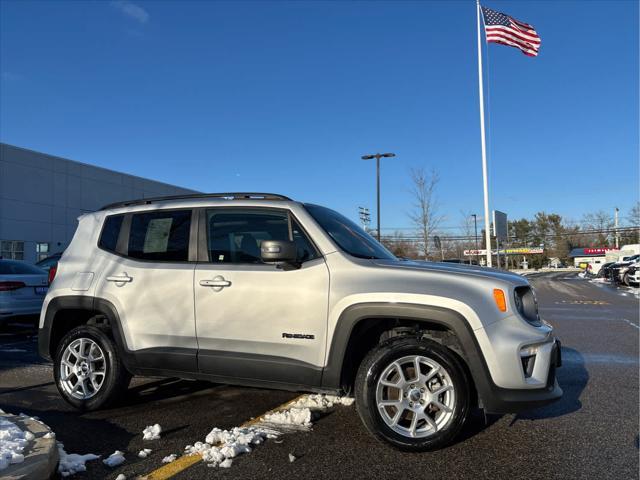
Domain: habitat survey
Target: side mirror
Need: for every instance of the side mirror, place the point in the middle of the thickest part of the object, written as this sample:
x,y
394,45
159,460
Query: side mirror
x,y
279,251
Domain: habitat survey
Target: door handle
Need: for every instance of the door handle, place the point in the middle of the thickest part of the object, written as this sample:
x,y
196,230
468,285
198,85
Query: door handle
x,y
215,283
120,278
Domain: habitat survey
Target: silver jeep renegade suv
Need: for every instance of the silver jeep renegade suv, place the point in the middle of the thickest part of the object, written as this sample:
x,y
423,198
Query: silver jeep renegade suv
x,y
259,290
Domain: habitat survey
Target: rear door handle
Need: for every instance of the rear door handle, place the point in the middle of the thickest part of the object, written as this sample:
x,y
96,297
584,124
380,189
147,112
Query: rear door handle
x,y
217,283
120,278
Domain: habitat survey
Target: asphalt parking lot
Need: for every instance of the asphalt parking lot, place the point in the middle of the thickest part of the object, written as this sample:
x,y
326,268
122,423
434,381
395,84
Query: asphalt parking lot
x,y
591,433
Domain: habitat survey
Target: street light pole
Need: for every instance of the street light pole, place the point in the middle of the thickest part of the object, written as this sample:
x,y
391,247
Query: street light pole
x,y
475,224
378,156
616,227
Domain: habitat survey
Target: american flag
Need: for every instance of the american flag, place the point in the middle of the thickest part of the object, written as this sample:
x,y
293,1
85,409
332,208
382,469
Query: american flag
x,y
501,28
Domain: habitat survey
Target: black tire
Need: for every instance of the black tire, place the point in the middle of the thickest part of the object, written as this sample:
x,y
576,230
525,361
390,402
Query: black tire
x,y
625,279
372,368
116,379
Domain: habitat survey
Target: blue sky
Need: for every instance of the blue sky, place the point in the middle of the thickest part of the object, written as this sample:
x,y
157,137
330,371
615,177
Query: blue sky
x,y
286,97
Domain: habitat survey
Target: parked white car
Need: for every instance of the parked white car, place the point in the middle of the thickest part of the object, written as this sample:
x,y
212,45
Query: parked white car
x,y
22,289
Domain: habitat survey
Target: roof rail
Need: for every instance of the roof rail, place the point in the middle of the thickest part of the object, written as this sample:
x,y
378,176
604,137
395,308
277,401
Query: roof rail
x,y
196,196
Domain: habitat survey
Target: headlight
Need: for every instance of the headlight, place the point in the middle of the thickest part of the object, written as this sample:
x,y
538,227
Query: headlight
x,y
526,304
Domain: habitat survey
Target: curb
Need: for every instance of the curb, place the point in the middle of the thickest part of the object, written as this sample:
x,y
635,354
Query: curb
x,y
40,454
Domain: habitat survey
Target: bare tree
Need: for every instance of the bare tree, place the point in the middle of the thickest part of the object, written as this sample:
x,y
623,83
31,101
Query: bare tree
x,y
634,215
424,215
600,221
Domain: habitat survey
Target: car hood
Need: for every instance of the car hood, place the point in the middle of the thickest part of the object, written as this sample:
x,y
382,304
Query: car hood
x,y
453,269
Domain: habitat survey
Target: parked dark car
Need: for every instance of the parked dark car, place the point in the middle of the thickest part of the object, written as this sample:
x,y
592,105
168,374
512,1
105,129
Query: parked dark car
x,y
619,269
605,270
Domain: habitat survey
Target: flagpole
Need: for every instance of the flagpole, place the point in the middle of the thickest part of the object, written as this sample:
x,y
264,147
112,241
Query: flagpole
x,y
487,232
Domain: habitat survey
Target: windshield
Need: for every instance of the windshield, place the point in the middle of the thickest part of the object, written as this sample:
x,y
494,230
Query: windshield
x,y
349,236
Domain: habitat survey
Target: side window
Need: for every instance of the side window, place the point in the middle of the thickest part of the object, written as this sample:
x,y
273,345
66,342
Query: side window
x,y
306,250
160,235
110,231
235,235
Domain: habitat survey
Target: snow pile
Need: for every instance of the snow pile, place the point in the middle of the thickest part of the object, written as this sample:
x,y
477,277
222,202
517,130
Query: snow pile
x,y
12,443
115,459
121,477
222,445
152,432
71,463
291,417
322,402
144,453
300,414
599,280
169,458
582,274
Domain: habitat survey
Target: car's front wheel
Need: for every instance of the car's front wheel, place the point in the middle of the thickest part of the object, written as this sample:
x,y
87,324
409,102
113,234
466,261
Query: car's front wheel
x,y
412,393
88,372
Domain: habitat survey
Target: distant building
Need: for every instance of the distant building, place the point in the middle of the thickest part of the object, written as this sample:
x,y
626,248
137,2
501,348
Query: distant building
x,y
41,197
583,257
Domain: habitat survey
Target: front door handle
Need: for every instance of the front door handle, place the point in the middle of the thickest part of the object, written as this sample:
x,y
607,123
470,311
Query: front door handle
x,y
124,278
217,283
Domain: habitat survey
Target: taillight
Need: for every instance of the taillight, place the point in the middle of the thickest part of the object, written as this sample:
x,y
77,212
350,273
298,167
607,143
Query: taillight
x,y
8,286
52,273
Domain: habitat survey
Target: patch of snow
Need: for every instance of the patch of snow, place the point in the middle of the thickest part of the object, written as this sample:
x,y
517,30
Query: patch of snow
x,y
121,477
115,459
144,453
152,432
582,274
71,463
292,458
12,443
221,446
599,280
292,417
321,401
170,458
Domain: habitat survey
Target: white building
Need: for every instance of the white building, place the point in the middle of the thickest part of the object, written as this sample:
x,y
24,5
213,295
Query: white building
x,y
41,197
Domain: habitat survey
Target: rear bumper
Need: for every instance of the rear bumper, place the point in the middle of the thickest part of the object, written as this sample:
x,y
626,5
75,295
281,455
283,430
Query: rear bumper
x,y
506,400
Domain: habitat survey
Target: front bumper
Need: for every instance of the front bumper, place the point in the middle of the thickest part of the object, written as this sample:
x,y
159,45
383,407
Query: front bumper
x,y
513,400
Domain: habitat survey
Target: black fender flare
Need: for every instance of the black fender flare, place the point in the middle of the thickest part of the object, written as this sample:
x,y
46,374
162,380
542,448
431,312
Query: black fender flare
x,y
98,306
491,397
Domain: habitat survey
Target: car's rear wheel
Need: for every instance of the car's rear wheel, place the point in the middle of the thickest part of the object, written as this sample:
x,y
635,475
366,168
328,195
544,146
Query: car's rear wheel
x,y
88,372
412,393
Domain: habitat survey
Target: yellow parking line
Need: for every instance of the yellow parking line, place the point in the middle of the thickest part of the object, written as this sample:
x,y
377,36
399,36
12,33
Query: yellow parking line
x,y
186,461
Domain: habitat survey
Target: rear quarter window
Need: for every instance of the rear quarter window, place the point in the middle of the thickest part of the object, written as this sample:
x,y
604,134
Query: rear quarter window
x,y
110,232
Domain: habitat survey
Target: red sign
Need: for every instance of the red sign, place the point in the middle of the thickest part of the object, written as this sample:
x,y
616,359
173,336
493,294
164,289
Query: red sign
x,y
598,251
